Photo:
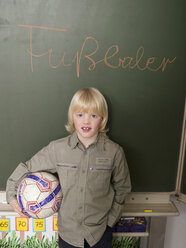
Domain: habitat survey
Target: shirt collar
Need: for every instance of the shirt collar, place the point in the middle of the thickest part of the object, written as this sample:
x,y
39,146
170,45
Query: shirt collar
x,y
74,141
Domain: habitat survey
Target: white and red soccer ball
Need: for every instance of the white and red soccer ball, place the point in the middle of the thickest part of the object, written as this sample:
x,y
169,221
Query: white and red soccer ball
x,y
39,195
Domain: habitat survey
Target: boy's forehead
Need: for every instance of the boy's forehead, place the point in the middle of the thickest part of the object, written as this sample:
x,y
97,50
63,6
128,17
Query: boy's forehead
x,y
86,110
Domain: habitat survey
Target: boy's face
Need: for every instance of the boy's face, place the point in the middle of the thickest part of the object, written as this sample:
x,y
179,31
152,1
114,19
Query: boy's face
x,y
86,126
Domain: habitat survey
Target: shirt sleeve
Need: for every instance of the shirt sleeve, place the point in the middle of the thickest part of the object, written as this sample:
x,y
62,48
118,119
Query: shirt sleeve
x,y
121,185
44,160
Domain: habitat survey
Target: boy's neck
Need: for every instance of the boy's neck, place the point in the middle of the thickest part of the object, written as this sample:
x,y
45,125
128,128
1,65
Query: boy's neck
x,y
87,142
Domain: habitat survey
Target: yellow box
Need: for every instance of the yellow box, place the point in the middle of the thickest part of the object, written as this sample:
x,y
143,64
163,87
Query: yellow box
x,y
4,225
22,224
55,228
39,225
148,210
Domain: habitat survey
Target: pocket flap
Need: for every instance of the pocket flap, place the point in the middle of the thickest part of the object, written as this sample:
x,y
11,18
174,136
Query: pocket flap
x,y
67,165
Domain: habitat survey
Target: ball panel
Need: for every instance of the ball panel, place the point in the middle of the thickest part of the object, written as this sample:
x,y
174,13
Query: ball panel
x,y
22,187
31,192
33,207
54,184
45,213
56,204
51,196
29,181
48,176
43,184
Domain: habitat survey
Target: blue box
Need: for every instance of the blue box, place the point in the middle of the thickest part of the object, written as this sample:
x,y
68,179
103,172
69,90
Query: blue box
x,y
130,224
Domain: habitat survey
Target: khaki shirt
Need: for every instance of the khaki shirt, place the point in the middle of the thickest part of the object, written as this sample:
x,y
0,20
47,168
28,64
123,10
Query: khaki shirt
x,y
94,182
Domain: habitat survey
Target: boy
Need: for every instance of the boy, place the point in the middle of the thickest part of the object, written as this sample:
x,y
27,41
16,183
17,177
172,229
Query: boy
x,y
92,170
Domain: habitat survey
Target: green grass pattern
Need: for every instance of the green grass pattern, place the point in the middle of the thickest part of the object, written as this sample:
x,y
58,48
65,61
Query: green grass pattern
x,y
33,242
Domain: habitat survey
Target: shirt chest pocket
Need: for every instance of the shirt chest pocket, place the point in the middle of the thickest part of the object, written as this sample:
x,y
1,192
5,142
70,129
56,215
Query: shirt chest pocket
x,y
67,174
99,178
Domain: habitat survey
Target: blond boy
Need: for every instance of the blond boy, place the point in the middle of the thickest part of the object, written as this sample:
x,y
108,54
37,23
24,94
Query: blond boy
x,y
92,170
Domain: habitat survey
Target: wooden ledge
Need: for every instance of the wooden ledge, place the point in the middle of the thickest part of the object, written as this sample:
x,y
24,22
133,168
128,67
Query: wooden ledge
x,y
149,204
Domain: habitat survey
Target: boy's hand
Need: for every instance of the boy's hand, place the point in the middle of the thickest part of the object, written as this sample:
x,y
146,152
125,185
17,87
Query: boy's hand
x,y
15,205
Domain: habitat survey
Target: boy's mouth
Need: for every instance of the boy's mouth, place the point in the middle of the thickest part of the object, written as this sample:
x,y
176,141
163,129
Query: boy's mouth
x,y
86,129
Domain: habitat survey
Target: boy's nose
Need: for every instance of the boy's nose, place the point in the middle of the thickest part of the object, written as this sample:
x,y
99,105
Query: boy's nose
x,y
86,119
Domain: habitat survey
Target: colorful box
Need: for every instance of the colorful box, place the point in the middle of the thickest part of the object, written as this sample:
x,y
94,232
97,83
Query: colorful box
x,y
130,224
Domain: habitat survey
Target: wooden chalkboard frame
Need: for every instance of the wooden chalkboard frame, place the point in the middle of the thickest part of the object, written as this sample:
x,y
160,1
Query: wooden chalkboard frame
x,y
181,175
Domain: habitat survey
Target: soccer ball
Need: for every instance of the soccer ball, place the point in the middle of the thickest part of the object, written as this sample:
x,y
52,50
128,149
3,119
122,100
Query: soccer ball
x,y
39,195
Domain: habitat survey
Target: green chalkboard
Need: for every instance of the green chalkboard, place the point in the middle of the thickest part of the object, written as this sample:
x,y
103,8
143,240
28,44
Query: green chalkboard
x,y
132,51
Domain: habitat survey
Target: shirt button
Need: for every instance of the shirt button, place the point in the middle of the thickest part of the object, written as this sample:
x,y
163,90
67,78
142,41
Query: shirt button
x,y
80,207
81,189
83,171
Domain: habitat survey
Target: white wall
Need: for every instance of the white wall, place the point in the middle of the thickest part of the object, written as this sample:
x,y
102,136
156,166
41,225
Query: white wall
x,y
175,236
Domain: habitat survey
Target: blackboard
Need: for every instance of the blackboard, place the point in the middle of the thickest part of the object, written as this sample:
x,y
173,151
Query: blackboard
x,y
132,51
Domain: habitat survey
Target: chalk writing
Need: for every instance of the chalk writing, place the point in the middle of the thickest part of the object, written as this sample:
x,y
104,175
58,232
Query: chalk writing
x,y
112,59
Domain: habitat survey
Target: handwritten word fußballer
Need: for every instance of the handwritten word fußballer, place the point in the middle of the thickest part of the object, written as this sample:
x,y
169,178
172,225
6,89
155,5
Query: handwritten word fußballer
x,y
112,59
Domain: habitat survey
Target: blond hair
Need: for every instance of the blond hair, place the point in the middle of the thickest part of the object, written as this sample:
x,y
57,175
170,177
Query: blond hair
x,y
85,100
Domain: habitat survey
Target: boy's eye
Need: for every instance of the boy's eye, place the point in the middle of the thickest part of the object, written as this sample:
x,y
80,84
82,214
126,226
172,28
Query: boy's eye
x,y
79,115
94,116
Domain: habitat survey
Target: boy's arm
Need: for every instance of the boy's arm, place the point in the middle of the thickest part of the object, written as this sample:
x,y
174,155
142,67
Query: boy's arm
x,y
44,160
121,185
15,205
